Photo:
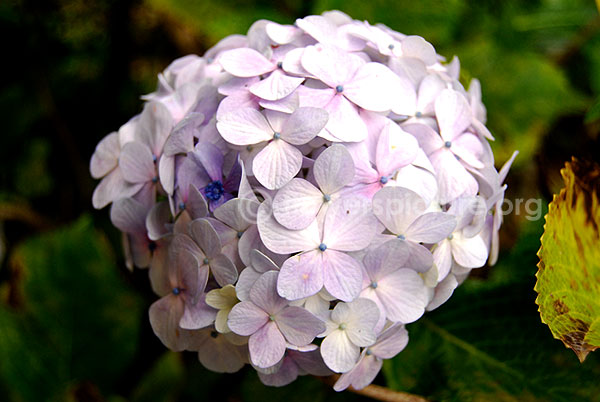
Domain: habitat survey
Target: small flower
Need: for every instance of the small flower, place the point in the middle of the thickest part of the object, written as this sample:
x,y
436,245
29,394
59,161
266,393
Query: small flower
x,y
350,327
270,322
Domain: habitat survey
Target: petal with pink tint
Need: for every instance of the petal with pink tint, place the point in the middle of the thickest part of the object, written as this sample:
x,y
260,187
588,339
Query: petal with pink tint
x,y
246,318
281,240
453,114
404,295
453,178
395,149
442,256
276,86
469,252
206,237
303,125
349,224
267,346
333,169
128,215
300,276
298,325
113,187
136,163
339,353
375,87
277,164
431,227
244,126
469,148
264,293
223,269
297,203
330,64
245,62
105,156
342,275
196,316
397,208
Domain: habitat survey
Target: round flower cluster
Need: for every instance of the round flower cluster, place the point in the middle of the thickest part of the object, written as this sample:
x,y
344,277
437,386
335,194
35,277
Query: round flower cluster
x,y
301,193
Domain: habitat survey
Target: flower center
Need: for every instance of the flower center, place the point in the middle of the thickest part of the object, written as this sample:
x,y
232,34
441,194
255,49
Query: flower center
x,y
383,180
182,205
152,246
214,334
272,317
342,326
249,148
205,261
368,352
240,234
214,191
401,237
339,89
326,197
176,291
276,136
448,144
279,64
374,285
391,46
418,114
155,179
450,236
322,247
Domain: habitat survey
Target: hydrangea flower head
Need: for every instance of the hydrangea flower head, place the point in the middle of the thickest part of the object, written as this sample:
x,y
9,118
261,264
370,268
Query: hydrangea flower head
x,y
301,193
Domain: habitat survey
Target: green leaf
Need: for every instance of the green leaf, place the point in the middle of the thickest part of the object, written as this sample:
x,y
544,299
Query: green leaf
x,y
569,270
487,343
79,322
163,382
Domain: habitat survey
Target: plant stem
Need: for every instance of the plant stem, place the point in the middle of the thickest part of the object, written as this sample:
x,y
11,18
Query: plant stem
x,y
377,392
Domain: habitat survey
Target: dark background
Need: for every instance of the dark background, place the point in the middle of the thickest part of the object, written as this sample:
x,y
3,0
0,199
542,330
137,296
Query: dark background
x,y
73,320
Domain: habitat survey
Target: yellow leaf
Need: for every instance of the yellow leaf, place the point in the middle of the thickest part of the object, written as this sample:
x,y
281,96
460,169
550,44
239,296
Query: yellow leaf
x,y
568,277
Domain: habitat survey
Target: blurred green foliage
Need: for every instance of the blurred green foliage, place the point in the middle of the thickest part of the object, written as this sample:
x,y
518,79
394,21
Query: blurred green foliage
x,y
73,321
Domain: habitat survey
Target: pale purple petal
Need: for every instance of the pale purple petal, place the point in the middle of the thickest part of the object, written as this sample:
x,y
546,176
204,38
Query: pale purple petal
x,y
281,240
420,258
453,114
442,256
339,353
403,294
303,125
375,87
298,325
245,62
246,318
431,227
206,237
364,315
244,126
157,220
330,64
397,208
360,375
333,169
106,156
469,252
391,342
443,291
196,204
267,346
238,213
164,318
395,149
469,148
129,215
264,293
261,263
301,276
277,164
349,225
136,163
342,275
196,316
287,373
297,203
276,86
219,355
209,157
223,269
453,178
